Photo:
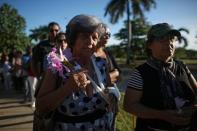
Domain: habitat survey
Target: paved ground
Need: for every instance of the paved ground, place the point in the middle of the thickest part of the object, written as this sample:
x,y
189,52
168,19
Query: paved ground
x,y
14,114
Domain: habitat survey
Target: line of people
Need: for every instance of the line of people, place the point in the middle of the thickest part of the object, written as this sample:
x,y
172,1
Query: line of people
x,y
78,87
81,87
17,74
77,76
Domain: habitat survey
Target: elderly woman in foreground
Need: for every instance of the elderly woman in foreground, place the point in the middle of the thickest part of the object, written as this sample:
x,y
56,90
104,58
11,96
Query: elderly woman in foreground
x,y
81,102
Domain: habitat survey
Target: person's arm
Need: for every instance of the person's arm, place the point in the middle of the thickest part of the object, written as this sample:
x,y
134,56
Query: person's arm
x,y
50,96
35,62
114,75
114,63
133,105
193,83
191,78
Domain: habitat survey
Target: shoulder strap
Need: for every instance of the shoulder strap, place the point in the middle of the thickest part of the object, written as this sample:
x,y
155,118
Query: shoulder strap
x,y
111,61
98,74
98,89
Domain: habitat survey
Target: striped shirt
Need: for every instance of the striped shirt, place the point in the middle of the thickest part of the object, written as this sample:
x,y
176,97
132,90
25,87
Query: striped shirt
x,y
135,80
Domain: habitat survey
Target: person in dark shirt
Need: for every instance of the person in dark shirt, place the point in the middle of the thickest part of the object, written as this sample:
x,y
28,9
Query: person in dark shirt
x,y
161,92
43,48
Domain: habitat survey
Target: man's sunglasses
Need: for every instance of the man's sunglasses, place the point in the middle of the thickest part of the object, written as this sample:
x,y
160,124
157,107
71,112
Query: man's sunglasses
x,y
54,30
63,40
108,34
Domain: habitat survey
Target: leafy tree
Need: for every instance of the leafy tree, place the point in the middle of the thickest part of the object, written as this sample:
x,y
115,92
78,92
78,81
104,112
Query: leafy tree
x,y
117,51
139,31
191,54
117,8
183,38
39,33
182,53
12,26
196,37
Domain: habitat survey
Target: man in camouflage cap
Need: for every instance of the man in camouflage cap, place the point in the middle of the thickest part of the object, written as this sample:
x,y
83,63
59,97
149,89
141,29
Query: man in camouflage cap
x,y
160,92
160,30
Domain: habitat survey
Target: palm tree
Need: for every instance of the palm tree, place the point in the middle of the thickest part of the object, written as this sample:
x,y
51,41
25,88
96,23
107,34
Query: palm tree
x,y
184,39
39,33
117,8
196,37
139,31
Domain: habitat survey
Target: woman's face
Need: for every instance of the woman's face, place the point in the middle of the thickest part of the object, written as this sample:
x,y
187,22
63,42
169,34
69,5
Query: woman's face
x,y
164,48
104,39
62,42
85,45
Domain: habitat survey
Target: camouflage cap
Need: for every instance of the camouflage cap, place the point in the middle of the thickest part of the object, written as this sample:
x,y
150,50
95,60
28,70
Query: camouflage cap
x,y
160,30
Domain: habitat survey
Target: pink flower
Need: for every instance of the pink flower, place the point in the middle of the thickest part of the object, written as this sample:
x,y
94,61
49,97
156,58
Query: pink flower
x,y
56,64
53,49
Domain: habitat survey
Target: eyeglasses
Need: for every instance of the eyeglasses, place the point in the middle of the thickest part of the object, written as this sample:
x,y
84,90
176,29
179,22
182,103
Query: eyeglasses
x,y
108,34
63,40
55,30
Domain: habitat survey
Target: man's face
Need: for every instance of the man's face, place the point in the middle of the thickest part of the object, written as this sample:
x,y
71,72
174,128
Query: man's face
x,y
53,31
164,48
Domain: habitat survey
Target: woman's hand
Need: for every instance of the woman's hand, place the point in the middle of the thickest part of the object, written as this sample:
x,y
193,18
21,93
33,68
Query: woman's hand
x,y
78,80
113,76
175,118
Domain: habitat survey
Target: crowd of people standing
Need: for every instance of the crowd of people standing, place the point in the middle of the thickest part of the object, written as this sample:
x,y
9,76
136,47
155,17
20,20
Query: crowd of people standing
x,y
71,79
16,73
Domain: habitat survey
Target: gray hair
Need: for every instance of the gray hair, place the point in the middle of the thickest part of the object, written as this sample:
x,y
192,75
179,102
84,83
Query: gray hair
x,y
82,24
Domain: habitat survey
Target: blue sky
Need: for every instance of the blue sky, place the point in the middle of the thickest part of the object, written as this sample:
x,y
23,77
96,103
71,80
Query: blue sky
x,y
179,13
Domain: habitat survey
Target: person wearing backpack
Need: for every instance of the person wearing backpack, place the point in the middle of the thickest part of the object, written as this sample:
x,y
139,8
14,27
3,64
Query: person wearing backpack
x,y
25,67
29,78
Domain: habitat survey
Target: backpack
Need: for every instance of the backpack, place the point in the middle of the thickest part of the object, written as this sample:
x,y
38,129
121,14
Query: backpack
x,y
44,121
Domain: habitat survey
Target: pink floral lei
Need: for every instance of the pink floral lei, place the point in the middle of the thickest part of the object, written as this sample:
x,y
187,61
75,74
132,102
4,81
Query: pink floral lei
x,y
58,65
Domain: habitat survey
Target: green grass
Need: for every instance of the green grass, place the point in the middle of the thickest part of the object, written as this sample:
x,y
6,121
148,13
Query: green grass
x,y
124,120
121,62
192,62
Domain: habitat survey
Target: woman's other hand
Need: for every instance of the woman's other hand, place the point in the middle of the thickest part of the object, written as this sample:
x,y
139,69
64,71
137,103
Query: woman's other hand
x,y
78,80
175,118
114,75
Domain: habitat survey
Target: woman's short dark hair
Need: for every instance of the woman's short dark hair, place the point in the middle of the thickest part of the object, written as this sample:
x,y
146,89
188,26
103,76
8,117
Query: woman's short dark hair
x,y
60,34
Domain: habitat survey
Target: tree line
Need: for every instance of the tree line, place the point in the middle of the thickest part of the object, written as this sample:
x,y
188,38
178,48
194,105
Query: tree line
x,y
132,41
